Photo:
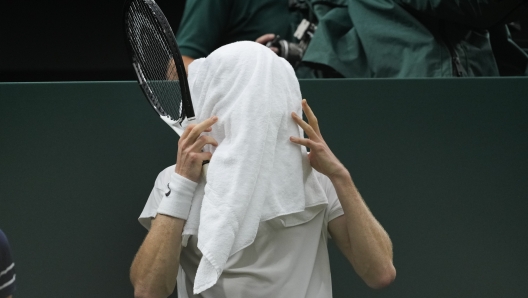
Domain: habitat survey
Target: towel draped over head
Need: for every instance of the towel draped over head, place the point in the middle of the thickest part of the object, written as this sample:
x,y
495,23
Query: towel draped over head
x,y
256,173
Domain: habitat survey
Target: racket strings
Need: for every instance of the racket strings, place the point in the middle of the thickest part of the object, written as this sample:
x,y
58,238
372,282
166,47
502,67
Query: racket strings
x,y
155,60
154,57
158,71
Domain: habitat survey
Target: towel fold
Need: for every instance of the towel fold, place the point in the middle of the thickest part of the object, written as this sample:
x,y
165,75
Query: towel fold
x,y
256,173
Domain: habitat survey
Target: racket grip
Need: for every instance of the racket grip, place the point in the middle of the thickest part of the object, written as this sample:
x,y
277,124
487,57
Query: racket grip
x,y
205,166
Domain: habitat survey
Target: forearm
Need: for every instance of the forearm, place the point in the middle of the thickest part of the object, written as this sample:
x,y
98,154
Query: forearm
x,y
358,234
370,248
155,267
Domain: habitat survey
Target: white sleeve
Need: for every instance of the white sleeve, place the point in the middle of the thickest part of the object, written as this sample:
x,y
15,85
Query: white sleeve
x,y
160,187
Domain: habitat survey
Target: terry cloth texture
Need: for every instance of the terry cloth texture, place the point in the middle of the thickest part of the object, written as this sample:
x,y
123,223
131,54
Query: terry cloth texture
x,y
256,173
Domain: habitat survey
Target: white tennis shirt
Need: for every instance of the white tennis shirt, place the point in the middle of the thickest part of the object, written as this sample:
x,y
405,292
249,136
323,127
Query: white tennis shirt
x,y
282,262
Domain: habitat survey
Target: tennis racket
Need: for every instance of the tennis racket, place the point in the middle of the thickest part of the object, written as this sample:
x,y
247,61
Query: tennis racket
x,y
158,64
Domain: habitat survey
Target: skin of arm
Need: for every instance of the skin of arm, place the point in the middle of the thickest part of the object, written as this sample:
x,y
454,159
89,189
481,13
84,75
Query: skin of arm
x,y
186,61
155,267
358,234
171,67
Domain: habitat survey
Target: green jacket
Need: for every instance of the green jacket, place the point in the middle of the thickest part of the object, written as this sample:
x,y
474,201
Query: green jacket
x,y
416,38
209,24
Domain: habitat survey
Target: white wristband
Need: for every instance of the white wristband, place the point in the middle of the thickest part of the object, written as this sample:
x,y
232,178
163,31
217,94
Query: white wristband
x,y
178,198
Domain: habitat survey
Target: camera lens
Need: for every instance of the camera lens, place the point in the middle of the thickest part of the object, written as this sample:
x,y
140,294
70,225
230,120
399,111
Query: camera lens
x,y
292,52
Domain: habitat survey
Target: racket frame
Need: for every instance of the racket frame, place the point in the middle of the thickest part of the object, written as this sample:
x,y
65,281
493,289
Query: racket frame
x,y
187,107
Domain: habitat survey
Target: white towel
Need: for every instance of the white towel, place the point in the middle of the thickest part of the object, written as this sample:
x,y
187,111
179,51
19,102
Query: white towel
x,y
256,173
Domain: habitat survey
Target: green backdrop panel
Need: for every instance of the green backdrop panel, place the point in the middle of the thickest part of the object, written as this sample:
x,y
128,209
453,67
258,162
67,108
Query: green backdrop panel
x,y
441,163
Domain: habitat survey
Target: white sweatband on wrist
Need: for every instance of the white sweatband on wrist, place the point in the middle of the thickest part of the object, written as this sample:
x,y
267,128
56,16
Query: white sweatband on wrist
x,y
178,198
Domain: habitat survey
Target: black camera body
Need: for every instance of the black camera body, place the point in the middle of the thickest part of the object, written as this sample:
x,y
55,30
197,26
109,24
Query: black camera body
x,y
293,52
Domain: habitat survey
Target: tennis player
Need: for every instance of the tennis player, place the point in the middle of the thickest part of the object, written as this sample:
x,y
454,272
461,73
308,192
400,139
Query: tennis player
x,y
240,232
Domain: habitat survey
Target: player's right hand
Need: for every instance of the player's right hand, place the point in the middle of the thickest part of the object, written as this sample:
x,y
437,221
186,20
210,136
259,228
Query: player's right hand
x,y
190,156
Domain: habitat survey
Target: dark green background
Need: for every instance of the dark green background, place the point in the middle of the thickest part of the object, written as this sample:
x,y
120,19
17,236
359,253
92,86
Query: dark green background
x,y
442,163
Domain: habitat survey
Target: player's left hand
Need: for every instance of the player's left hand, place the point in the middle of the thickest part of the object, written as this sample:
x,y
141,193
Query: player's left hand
x,y
321,157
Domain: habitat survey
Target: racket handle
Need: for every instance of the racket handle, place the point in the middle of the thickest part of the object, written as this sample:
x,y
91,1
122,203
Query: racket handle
x,y
205,166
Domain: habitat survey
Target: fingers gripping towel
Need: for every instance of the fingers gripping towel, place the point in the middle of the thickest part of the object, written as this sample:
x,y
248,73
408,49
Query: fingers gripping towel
x,y
256,173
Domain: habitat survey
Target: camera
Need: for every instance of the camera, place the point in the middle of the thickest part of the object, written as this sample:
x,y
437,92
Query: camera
x,y
293,52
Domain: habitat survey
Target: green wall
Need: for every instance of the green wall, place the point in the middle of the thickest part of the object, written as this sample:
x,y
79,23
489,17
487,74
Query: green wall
x,y
442,163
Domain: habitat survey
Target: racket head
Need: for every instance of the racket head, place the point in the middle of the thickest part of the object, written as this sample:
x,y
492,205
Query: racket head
x,y
157,61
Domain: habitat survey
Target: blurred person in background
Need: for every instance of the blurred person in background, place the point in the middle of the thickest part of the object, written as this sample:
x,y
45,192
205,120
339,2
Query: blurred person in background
x,y
208,25
519,32
510,53
7,269
366,38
